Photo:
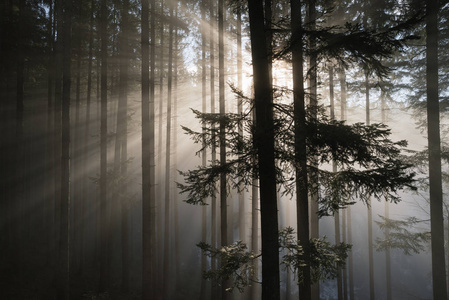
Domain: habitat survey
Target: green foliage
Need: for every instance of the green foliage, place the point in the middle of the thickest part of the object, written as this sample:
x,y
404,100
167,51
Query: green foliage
x,y
325,259
370,163
237,263
401,237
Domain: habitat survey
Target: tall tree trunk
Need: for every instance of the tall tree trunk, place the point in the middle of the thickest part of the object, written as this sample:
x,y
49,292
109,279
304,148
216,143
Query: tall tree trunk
x,y
242,216
302,200
312,85
159,204
49,184
177,261
214,292
370,213
347,214
334,169
104,222
387,215
64,245
264,142
148,170
86,147
19,147
433,133
203,289
59,8
167,233
222,137
75,161
313,96
122,141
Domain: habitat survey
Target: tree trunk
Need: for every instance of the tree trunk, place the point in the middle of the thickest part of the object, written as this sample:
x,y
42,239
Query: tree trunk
x,y
433,133
104,222
242,212
254,292
370,213
167,233
214,291
222,138
86,148
78,201
49,185
20,147
302,200
347,214
122,143
59,8
313,102
177,261
159,219
148,170
334,169
203,289
64,246
264,142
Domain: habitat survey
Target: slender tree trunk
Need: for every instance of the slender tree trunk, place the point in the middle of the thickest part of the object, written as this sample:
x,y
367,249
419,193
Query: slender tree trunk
x,y
345,211
177,244
370,213
433,133
347,215
64,245
264,141
48,218
148,169
59,8
334,169
86,149
122,143
167,233
75,162
214,292
387,216
312,85
222,138
254,291
159,204
104,222
203,290
242,212
302,200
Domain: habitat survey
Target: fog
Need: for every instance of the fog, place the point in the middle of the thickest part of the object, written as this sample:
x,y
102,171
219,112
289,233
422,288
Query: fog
x,y
90,241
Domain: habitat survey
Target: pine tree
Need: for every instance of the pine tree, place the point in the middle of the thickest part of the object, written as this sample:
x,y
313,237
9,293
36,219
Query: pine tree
x,y
433,132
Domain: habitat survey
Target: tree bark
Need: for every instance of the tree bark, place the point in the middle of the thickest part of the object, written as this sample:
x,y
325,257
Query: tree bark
x,y
104,222
433,135
313,102
214,291
64,244
148,166
264,142
334,169
222,139
122,142
167,233
370,213
302,184
203,289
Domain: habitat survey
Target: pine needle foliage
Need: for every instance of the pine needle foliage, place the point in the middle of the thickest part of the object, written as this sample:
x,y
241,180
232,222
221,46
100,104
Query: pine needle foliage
x,y
370,163
401,236
237,263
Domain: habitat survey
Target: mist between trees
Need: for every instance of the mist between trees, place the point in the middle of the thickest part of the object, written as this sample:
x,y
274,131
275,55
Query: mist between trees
x,y
181,149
